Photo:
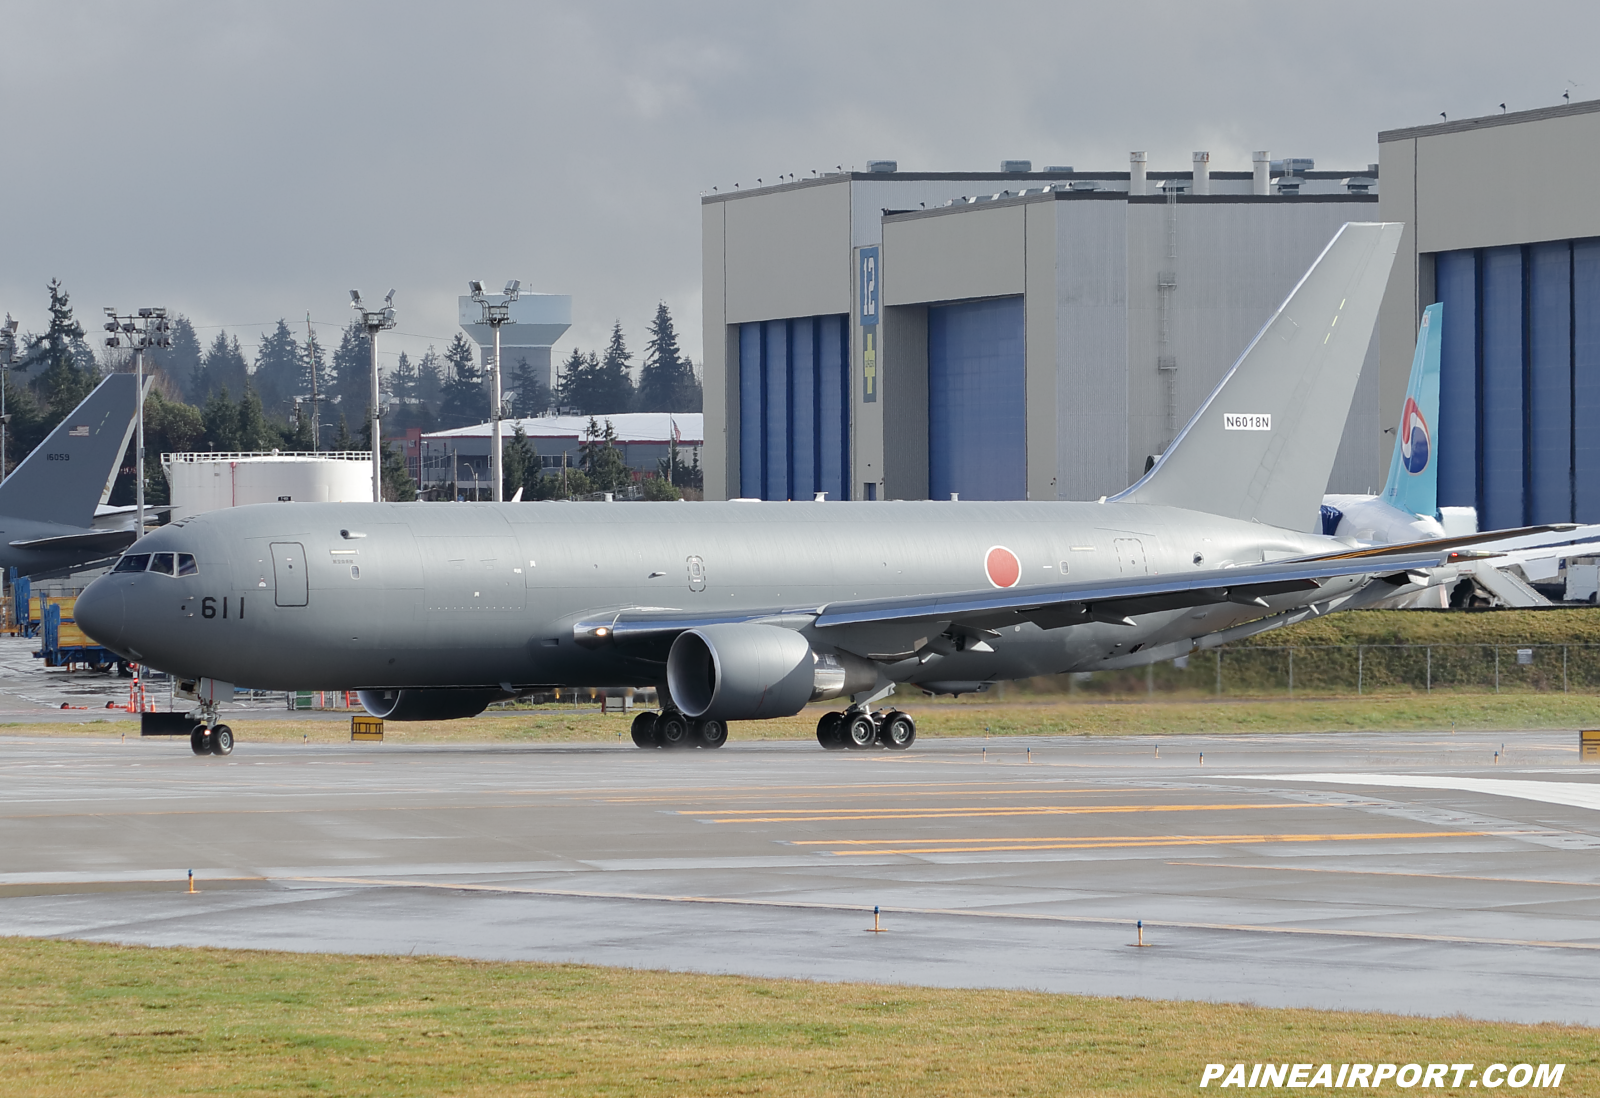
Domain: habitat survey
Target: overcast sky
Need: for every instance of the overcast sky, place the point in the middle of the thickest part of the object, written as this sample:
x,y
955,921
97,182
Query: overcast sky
x,y
244,162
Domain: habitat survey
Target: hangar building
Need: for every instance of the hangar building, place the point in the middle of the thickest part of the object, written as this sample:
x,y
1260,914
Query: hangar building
x,y
1502,228
1010,335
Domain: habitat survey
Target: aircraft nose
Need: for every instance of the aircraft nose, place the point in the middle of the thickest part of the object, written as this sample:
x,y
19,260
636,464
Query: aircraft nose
x,y
99,612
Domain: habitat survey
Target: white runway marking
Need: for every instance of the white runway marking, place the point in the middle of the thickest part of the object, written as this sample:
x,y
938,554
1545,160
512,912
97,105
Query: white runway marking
x,y
1575,794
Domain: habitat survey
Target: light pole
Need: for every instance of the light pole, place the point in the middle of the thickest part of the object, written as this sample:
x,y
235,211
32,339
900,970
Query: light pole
x,y
495,315
8,355
474,468
147,328
375,322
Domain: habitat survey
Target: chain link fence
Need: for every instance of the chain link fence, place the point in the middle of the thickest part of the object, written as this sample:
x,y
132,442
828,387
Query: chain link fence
x,y
1358,670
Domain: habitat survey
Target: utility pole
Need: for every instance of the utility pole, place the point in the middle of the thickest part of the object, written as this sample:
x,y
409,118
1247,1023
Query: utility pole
x,y
147,328
494,315
375,322
8,355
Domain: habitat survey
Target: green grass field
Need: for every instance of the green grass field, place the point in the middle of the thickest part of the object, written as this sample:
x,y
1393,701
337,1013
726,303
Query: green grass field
x,y
88,1019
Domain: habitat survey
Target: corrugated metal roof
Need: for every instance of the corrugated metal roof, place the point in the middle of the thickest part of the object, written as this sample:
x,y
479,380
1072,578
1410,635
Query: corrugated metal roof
x,y
629,426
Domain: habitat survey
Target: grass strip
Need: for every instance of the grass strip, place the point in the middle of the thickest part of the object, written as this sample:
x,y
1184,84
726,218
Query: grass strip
x,y
1039,716
85,1018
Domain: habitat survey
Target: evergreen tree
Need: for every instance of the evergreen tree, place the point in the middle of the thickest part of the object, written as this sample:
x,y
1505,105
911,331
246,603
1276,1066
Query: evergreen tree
x,y
602,461
403,381
221,419
313,380
613,384
666,380
461,402
222,367
178,362
519,465
63,369
253,430
531,397
278,370
398,487
170,427
430,380
343,441
351,384
572,386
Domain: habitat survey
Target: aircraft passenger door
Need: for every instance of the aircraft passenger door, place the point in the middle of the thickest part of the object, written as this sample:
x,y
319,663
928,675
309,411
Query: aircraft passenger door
x,y
1130,556
289,573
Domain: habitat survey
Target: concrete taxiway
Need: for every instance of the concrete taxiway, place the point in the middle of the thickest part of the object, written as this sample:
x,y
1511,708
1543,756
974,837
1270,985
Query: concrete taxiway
x,y
1405,872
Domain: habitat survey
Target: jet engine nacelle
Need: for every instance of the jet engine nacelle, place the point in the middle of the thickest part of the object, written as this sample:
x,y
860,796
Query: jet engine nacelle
x,y
428,705
741,672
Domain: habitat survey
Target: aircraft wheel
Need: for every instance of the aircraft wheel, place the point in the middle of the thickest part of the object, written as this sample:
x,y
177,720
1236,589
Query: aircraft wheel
x,y
899,731
644,730
197,741
222,740
711,734
672,729
860,732
829,731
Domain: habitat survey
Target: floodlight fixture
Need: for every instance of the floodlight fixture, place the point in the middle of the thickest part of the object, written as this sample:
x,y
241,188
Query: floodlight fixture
x,y
143,328
388,298
375,321
355,299
513,288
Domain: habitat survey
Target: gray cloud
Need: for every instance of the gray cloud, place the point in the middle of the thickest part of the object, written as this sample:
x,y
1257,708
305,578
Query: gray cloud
x,y
242,162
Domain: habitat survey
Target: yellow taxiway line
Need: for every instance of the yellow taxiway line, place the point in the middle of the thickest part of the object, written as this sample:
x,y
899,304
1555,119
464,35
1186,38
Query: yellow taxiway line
x,y
748,815
908,846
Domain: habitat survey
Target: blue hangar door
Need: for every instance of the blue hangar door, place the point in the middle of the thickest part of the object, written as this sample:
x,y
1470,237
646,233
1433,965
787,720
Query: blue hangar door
x,y
977,400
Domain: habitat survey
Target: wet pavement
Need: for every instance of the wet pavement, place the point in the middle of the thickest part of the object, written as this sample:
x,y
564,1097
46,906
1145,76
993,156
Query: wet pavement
x,y
1404,872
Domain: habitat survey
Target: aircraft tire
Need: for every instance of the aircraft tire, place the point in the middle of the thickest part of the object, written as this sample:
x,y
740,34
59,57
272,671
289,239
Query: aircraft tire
x,y
860,732
644,730
672,729
829,731
710,734
899,731
197,741
222,740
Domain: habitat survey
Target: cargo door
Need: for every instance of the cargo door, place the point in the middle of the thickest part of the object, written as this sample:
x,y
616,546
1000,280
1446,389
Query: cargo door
x,y
1130,556
289,573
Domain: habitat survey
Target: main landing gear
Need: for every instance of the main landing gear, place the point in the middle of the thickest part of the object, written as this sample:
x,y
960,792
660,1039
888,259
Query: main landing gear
x,y
670,728
859,729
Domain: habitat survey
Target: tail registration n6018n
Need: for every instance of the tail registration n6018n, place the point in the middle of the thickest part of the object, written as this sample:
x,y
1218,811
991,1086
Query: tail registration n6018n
x,y
1247,421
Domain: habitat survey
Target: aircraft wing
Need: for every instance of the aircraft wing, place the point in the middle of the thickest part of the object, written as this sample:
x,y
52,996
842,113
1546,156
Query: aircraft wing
x,y
1050,606
110,541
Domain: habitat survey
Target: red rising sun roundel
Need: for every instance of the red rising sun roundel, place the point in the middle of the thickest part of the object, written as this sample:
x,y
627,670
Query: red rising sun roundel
x,y
1003,567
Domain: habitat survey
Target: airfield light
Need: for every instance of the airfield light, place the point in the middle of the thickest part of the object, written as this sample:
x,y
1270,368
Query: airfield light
x,y
494,315
146,328
374,322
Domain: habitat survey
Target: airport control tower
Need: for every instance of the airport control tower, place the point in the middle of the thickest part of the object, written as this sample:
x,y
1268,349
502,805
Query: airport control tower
x,y
537,321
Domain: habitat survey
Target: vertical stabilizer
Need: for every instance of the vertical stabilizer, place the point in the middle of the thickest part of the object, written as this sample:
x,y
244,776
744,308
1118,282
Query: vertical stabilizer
x,y
1413,484
1262,445
66,476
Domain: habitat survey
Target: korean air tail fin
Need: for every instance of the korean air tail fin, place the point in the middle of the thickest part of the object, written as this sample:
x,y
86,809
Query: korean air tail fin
x,y
1413,484
1262,445
70,473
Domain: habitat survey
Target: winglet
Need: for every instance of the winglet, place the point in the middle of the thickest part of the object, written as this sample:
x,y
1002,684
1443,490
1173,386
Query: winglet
x,y
1262,445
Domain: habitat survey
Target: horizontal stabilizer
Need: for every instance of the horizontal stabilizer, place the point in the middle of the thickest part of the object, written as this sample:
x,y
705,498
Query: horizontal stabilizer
x,y
108,541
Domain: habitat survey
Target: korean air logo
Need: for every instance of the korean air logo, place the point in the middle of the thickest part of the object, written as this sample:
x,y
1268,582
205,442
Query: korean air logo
x,y
1415,443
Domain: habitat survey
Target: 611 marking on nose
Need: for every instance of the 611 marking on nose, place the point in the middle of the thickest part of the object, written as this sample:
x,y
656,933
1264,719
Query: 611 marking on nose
x,y
208,607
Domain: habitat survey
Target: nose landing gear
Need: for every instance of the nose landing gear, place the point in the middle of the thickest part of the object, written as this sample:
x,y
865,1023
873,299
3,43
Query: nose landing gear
x,y
859,728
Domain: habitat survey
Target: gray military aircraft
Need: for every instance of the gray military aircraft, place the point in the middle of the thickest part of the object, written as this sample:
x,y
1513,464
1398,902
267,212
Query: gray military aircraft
x,y
749,610
48,505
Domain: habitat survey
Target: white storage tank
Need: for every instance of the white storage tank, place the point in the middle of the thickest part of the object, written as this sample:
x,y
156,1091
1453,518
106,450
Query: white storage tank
x,y
210,481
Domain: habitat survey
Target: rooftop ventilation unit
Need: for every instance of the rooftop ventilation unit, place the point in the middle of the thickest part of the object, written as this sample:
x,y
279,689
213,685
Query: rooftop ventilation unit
x,y
1293,165
1359,184
883,165
1059,168
1016,165
1086,184
1288,184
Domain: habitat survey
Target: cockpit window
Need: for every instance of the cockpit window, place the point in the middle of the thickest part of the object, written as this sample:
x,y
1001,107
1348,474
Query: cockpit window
x,y
133,562
162,563
186,565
